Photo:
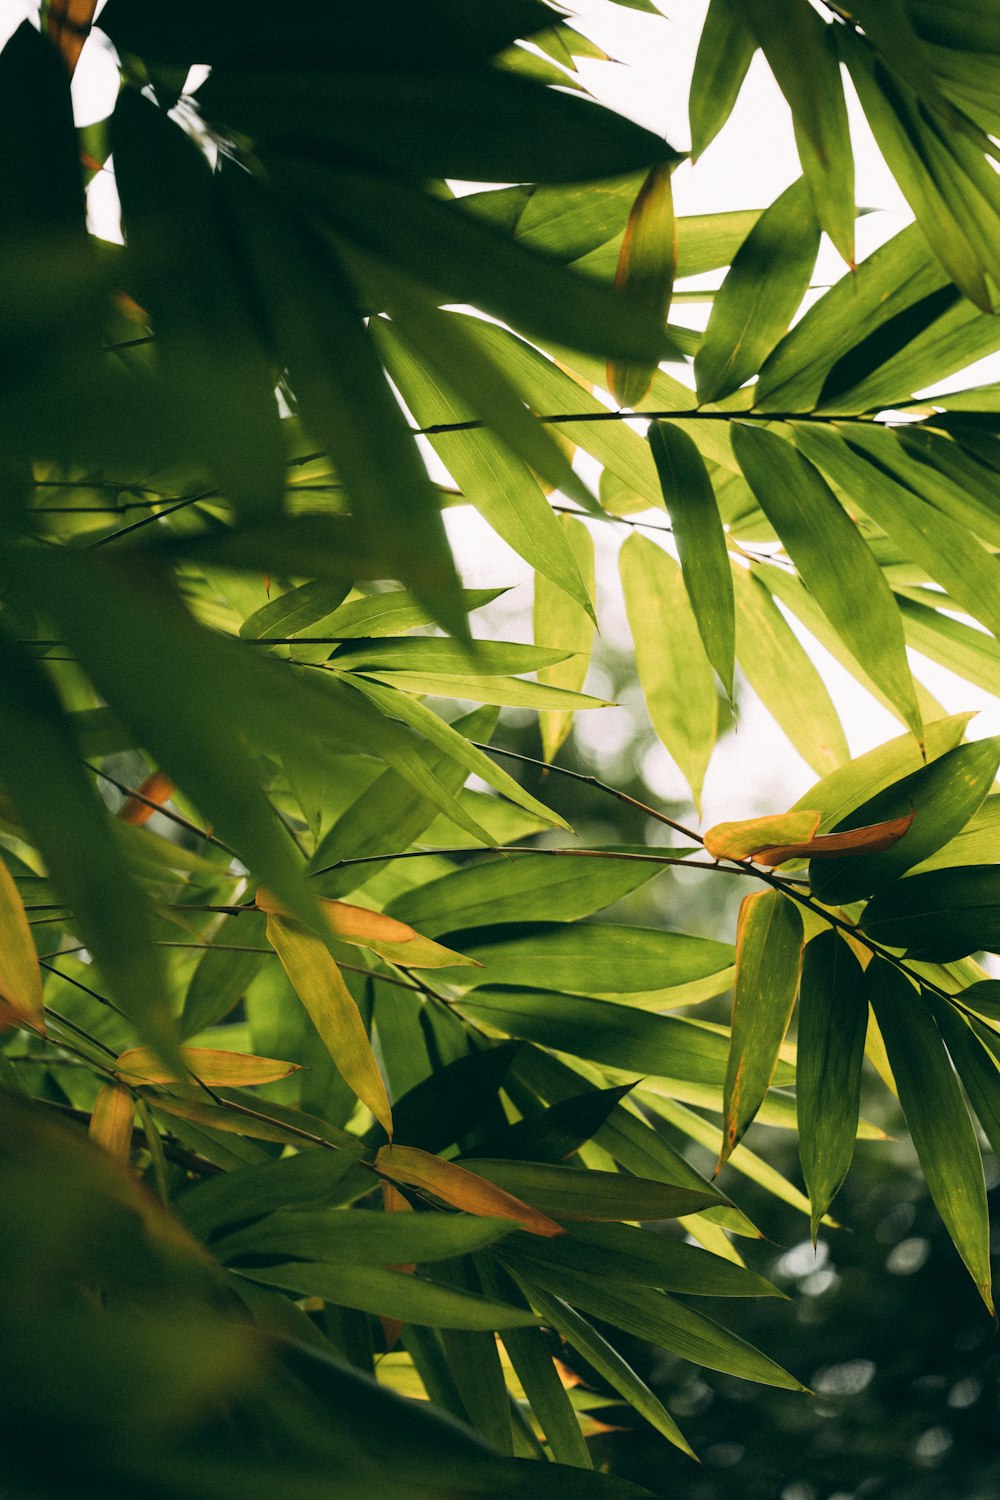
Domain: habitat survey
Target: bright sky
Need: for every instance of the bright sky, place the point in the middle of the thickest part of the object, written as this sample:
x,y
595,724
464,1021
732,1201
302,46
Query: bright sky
x,y
748,165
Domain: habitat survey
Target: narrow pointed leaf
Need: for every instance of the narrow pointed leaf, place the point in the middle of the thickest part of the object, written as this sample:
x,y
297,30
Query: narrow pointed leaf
x,y
20,975
391,1294
940,915
560,621
569,1193
362,1237
675,674
833,1016
646,266
761,294
768,959
112,1120
141,1065
725,51
939,800
832,559
937,1116
700,541
460,1187
333,1011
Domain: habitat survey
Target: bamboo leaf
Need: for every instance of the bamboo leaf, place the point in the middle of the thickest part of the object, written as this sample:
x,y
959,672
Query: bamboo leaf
x,y
20,975
560,621
674,672
832,559
142,1065
768,960
792,835
833,1016
391,1294
646,267
937,1116
332,1009
112,1120
700,541
940,915
759,297
567,1192
725,51
460,1187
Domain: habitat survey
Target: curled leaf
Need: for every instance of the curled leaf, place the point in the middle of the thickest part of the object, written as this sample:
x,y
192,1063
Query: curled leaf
x,y
792,835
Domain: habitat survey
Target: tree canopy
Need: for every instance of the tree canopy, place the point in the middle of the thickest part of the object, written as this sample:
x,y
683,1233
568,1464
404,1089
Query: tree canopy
x,y
376,1065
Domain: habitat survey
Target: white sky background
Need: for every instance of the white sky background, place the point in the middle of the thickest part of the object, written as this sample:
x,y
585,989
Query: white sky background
x,y
747,166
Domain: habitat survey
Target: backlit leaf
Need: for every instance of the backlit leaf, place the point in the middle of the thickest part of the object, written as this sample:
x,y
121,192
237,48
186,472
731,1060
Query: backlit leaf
x,y
646,265
141,1065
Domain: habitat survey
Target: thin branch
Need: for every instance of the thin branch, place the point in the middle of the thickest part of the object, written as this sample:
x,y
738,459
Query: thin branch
x,y
477,424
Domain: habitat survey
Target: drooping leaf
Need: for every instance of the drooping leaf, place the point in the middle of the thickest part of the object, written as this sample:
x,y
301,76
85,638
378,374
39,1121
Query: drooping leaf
x,y
675,673
768,960
20,976
646,267
333,1011
560,621
700,541
936,1114
832,559
771,656
833,1015
725,51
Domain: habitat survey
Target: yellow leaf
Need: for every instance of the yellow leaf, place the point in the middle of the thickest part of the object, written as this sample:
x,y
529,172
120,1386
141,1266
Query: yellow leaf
x,y
112,1119
20,976
69,23
462,1189
792,835
237,1069
394,941
320,986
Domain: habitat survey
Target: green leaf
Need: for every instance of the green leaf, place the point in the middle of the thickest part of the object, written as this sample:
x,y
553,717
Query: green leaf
x,y
490,476
565,1192
333,1011
940,915
559,621
606,957
832,559
646,268
525,887
509,691
618,1035
464,261
649,1258
771,657
700,541
837,794
557,1132
390,1294
936,1114
725,51
800,51
604,1358
343,395
361,1237
877,302
674,672
448,1105
973,1051
416,121
975,845
658,1319
942,796
768,960
761,294
833,1017
933,541
62,813
313,1178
